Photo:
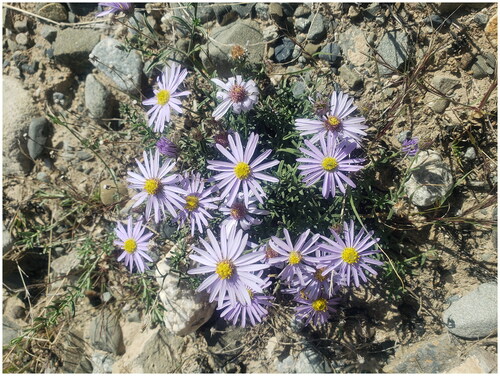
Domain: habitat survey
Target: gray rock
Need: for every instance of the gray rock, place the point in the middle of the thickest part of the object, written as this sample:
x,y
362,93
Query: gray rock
x,y
21,25
97,98
289,8
481,68
65,265
331,53
6,240
445,84
244,10
54,11
205,13
186,310
10,330
73,46
393,48
74,357
102,362
22,39
262,11
302,24
440,105
16,121
270,33
470,154
430,180
283,51
354,46
436,21
474,316
302,11
245,33
351,77
298,89
84,155
38,133
106,297
308,361
43,177
124,68
317,30
221,11
106,333
435,355
481,19
403,136
275,11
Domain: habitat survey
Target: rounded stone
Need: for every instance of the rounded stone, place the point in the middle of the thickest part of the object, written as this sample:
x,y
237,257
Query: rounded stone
x,y
54,11
112,193
474,316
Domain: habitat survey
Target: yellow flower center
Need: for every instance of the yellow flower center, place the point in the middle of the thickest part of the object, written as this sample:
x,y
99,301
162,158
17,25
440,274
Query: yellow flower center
x,y
242,170
332,123
318,276
250,292
224,269
130,245
192,203
329,163
294,258
163,97
350,255
319,305
151,186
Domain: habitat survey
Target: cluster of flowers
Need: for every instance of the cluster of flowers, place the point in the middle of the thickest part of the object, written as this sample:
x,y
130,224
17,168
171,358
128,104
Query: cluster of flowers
x,y
313,270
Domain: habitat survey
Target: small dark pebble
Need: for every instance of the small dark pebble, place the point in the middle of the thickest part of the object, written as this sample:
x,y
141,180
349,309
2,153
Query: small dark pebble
x,y
436,21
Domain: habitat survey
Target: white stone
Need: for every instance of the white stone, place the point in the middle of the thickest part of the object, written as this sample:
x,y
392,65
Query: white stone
x,y
186,310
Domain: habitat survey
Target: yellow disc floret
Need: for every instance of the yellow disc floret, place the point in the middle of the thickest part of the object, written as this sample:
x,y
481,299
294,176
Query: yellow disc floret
x,y
224,269
192,203
332,123
151,186
329,163
294,258
130,245
242,170
163,97
350,255
319,305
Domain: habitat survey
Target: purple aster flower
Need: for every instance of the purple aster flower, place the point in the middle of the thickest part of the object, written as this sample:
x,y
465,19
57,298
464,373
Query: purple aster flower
x,y
293,255
317,310
317,284
231,271
114,8
237,93
166,97
336,121
196,203
241,214
349,257
329,163
243,312
156,186
134,243
166,147
410,146
241,171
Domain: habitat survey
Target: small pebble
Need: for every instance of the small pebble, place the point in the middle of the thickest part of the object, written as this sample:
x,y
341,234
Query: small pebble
x,y
84,155
21,26
22,39
470,154
42,176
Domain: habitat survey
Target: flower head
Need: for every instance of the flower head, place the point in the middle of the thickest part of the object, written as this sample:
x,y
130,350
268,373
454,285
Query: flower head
x,y
241,171
166,147
335,121
317,310
166,98
134,243
243,312
242,214
410,146
196,203
329,163
156,186
293,255
115,8
349,257
231,271
236,93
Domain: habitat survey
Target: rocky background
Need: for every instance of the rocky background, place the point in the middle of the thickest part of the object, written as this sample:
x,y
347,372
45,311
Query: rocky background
x,y
426,70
